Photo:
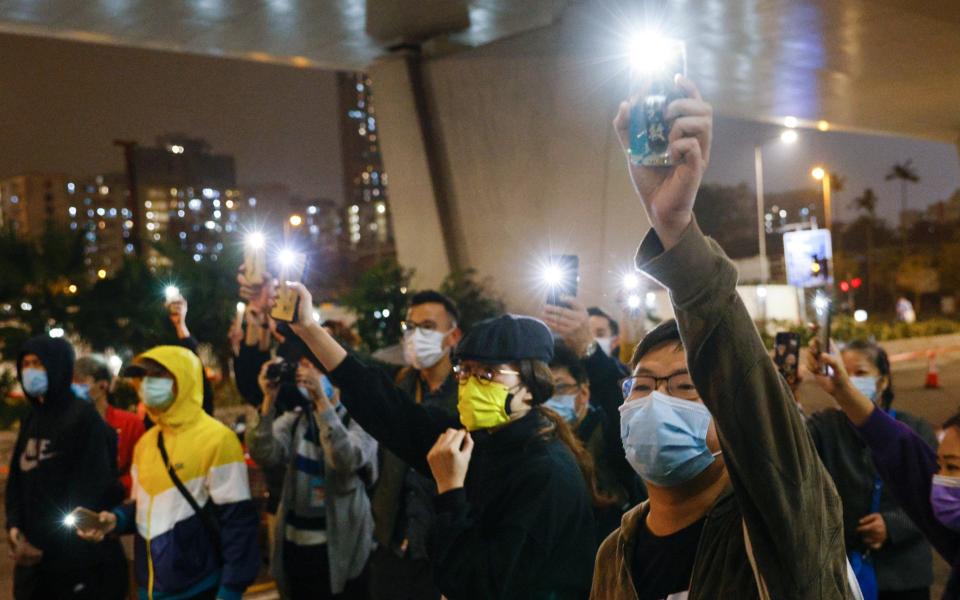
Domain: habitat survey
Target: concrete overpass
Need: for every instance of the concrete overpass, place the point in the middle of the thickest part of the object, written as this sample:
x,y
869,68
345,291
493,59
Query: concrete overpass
x,y
494,114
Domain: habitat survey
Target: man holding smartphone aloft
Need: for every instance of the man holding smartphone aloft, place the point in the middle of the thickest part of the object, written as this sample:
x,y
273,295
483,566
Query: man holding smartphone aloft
x,y
740,505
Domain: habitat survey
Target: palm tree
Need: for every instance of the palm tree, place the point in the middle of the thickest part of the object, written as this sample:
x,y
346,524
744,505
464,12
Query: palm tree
x,y
867,202
906,173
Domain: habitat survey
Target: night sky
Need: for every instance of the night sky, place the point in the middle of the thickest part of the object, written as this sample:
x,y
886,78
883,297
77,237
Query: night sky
x,y
63,103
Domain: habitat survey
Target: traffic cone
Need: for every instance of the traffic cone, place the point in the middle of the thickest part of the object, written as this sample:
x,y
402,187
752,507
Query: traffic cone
x,y
933,374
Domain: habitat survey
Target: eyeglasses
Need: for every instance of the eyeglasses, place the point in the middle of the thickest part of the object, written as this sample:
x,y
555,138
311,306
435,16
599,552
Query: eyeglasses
x,y
484,374
679,385
406,326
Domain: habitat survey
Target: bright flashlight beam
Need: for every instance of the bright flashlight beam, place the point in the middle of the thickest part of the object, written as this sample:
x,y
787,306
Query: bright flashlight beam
x,y
650,52
171,292
69,520
631,281
633,301
287,257
256,240
553,275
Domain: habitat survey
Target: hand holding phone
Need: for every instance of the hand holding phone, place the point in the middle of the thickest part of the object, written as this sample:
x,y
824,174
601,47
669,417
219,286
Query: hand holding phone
x,y
293,266
656,63
786,355
562,276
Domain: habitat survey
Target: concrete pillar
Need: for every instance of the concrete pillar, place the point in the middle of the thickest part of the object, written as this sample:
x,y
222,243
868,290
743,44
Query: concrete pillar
x,y
416,222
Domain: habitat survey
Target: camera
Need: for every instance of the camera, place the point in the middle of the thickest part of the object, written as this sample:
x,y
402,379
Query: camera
x,y
282,372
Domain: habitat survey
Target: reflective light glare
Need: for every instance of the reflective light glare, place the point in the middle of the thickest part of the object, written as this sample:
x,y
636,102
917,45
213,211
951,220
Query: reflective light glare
x,y
633,301
553,275
790,122
287,257
651,299
789,136
821,302
818,173
56,332
316,316
649,52
631,281
860,316
256,240
761,292
823,126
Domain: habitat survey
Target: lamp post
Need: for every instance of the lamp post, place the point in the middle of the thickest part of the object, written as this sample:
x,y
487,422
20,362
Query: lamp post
x,y
823,175
787,136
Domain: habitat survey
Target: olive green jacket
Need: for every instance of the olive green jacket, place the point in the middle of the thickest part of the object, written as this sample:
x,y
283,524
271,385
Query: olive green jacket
x,y
780,492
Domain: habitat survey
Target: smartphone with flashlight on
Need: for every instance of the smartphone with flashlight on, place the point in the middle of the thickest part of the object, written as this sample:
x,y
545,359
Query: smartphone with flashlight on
x,y
562,277
786,355
84,519
824,310
254,258
655,64
293,266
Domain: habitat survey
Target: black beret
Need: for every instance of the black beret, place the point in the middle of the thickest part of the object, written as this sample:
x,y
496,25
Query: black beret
x,y
507,338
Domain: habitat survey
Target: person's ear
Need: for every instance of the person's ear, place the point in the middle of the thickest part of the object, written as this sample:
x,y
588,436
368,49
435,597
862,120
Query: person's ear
x,y
583,396
454,338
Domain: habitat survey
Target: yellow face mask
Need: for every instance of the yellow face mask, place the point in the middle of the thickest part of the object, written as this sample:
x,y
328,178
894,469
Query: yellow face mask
x,y
482,405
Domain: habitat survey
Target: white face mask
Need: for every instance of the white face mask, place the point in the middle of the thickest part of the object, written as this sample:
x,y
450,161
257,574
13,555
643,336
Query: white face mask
x,y
605,344
423,348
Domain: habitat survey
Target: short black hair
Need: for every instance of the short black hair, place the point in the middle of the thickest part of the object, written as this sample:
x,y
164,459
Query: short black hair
x,y
93,366
435,297
668,331
565,358
596,311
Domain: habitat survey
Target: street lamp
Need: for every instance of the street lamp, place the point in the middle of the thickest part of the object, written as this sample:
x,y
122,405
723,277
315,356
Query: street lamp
x,y
823,175
787,136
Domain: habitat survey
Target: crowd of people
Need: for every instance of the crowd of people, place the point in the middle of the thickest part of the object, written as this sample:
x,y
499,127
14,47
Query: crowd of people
x,y
517,459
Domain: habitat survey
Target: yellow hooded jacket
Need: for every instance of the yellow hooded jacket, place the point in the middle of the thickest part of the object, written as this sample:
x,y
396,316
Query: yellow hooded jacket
x,y
174,553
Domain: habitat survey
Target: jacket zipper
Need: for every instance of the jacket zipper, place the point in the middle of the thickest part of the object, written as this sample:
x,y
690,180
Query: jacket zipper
x,y
149,552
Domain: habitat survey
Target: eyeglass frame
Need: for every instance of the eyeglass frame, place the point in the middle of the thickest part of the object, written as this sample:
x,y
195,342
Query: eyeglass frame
x,y
491,373
656,385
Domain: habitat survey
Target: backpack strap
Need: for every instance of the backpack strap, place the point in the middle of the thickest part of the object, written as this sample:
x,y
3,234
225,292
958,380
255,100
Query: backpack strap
x,y
207,519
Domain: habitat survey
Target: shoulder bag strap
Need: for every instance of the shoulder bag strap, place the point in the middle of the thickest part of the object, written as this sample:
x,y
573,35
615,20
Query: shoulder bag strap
x,y
205,517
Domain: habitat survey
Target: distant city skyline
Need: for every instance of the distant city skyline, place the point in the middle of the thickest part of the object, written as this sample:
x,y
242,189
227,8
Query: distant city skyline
x,y
64,104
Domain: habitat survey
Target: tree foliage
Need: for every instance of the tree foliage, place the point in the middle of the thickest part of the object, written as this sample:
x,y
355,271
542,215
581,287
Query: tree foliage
x,y
473,298
379,300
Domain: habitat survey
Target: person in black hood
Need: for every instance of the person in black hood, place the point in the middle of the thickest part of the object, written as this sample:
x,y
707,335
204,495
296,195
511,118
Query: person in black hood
x,y
65,456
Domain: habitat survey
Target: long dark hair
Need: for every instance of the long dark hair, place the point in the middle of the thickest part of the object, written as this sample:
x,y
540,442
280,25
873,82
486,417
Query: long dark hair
x,y
878,356
537,377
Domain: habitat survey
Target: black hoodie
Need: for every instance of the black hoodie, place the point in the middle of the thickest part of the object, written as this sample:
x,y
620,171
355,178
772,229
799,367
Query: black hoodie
x,y
62,459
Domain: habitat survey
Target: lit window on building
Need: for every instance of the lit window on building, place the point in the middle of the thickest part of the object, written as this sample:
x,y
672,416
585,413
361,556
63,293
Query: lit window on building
x,y
72,211
195,204
252,201
14,199
311,210
209,193
71,187
101,211
104,190
183,235
90,213
197,258
181,213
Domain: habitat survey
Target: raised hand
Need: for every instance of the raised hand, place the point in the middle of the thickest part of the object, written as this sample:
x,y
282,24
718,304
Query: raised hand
x,y
668,193
449,459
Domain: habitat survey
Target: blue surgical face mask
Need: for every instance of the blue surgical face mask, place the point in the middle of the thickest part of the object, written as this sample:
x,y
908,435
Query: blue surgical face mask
x,y
157,392
866,385
324,384
35,382
665,438
327,386
81,390
564,405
